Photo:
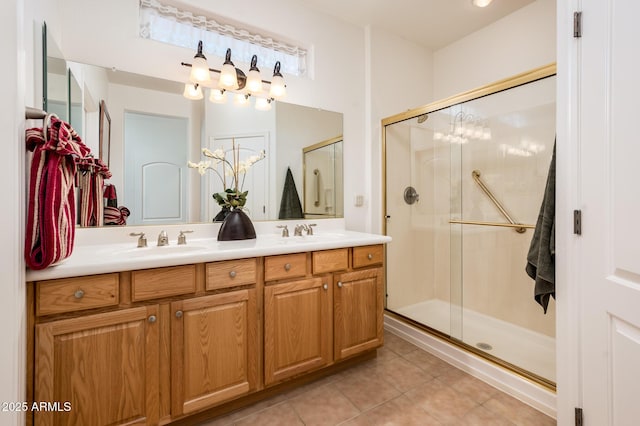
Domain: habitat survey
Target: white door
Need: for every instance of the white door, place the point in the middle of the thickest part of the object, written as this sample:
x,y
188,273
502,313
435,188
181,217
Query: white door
x,y
605,286
256,180
155,151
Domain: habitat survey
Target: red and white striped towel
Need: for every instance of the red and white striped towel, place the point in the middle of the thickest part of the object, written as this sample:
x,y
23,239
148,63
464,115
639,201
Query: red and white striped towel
x,y
51,211
91,175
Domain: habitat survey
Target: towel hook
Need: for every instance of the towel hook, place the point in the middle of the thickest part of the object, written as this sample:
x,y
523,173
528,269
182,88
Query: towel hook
x,y
45,124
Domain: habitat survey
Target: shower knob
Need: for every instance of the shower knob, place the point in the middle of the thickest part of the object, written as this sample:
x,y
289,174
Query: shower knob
x,y
411,195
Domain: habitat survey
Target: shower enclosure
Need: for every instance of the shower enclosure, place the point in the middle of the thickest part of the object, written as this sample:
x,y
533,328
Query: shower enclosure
x,y
464,180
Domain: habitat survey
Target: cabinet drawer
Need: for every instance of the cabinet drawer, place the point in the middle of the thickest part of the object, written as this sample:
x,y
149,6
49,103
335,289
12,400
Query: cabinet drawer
x,y
76,294
163,282
285,266
230,273
367,255
330,260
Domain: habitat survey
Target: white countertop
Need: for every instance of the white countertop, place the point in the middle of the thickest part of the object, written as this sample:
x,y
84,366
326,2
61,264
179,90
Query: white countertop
x,y
107,254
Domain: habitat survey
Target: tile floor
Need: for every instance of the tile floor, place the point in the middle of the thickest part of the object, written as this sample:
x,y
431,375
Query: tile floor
x,y
404,385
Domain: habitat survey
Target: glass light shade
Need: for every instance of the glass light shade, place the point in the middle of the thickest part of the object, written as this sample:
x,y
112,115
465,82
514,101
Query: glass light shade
x,y
241,99
254,82
217,96
481,3
278,89
192,91
263,104
228,77
199,70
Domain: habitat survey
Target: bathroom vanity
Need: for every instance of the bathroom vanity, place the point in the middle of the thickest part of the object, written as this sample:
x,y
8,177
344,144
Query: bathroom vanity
x,y
154,336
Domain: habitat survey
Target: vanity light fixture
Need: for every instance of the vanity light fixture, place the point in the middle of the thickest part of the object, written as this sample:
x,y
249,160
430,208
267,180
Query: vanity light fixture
x,y
233,80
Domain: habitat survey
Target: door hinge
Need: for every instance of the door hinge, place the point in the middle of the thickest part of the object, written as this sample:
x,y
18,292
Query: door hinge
x,y
577,222
577,24
578,416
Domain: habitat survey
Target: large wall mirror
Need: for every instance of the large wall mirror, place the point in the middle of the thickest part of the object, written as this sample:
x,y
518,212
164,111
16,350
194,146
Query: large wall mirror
x,y
155,132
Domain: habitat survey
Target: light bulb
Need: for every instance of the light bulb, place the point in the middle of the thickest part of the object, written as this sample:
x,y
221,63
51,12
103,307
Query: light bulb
x,y
192,91
278,89
199,70
263,104
217,96
254,81
241,99
228,77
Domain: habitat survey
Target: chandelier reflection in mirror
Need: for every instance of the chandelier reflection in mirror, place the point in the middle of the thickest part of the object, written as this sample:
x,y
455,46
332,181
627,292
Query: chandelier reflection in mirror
x,y
233,81
463,128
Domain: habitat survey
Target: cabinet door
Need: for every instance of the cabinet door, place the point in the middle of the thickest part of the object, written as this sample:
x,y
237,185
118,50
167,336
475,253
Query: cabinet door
x,y
214,353
297,329
105,366
358,312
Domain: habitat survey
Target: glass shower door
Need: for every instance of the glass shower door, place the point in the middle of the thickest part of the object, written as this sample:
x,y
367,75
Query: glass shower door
x,y
463,189
418,192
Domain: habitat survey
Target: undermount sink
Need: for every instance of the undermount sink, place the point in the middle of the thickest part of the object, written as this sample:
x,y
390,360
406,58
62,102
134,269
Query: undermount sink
x,y
159,250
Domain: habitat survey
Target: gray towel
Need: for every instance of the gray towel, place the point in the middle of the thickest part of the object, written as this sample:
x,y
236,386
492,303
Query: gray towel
x,y
541,258
290,207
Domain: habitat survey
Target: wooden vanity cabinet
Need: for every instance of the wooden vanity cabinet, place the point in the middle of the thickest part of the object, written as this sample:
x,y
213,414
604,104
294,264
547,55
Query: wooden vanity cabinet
x,y
297,328
154,346
214,350
358,312
104,365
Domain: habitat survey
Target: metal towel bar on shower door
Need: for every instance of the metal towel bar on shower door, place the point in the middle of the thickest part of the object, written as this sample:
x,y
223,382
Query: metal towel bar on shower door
x,y
518,227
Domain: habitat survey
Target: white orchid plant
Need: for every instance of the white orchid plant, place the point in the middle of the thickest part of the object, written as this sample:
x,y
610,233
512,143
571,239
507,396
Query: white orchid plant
x,y
236,170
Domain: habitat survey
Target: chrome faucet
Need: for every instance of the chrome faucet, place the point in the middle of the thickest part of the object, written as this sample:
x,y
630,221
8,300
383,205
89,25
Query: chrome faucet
x,y
142,240
163,239
182,239
304,227
285,230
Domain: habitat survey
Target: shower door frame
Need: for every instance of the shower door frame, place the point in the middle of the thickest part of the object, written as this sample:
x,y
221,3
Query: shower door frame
x,y
499,86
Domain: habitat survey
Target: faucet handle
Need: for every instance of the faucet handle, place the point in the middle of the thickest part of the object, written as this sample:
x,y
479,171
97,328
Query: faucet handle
x,y
163,238
310,229
182,239
142,240
285,230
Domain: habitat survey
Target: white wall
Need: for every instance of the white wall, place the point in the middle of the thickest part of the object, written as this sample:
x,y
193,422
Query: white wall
x,y
12,304
399,77
519,42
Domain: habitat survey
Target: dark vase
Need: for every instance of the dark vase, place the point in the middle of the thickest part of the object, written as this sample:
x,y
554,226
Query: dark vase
x,y
236,226
222,214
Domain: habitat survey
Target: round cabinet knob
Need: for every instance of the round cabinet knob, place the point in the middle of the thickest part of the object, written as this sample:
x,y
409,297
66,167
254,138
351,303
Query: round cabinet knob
x,y
232,274
325,287
152,318
339,284
178,314
287,266
369,256
79,294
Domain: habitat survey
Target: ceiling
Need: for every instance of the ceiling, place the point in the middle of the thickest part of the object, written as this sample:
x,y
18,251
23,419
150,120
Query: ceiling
x,y
431,23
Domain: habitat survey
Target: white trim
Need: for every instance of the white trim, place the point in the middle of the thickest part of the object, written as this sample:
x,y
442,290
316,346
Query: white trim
x,y
568,248
526,391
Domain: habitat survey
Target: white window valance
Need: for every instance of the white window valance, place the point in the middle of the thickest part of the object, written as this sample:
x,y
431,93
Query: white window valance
x,y
171,25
